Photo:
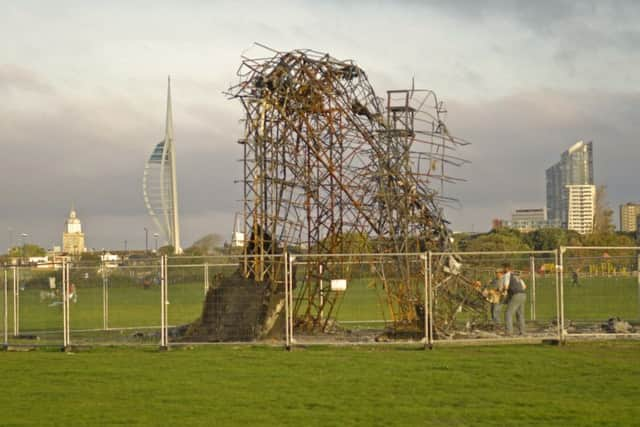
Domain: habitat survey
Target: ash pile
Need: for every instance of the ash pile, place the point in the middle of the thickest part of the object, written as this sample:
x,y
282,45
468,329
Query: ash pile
x,y
240,309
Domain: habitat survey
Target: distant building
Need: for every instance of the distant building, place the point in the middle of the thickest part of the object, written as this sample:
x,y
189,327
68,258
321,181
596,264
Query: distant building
x,y
238,238
39,261
526,220
73,237
110,260
581,208
628,216
497,223
574,168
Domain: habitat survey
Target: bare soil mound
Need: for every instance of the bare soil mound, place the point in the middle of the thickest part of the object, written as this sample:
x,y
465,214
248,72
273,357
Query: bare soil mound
x,y
240,309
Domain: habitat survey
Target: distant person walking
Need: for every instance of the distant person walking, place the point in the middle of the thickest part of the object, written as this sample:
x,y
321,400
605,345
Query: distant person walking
x,y
575,278
516,298
73,294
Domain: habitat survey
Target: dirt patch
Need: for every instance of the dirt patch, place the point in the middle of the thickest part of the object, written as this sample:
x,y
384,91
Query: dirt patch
x,y
240,309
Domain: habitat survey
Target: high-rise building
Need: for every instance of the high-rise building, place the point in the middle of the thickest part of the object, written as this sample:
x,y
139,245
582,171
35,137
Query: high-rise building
x,y
581,201
159,184
629,216
73,237
574,168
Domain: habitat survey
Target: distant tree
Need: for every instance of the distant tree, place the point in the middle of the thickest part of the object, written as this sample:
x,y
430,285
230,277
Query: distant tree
x,y
547,239
503,239
206,245
351,242
609,239
194,251
90,256
460,241
166,250
603,218
27,250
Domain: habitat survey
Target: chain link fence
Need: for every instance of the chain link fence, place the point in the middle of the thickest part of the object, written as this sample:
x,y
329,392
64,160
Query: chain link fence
x,y
471,302
357,298
115,303
31,315
226,299
600,291
300,299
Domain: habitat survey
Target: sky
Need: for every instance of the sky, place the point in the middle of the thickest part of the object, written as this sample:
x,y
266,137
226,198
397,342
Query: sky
x,y
83,87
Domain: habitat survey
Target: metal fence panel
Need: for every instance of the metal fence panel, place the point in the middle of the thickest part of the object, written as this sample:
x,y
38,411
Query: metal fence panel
x,y
329,299
601,291
357,298
34,316
466,303
4,304
231,298
115,304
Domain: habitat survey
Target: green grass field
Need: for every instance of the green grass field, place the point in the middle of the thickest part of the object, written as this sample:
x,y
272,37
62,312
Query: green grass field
x,y
577,384
133,306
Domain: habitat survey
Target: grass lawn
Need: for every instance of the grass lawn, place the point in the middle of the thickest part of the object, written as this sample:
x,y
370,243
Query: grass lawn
x,y
578,384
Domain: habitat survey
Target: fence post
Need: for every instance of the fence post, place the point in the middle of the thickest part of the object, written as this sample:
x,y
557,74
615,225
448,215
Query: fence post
x,y
430,288
555,270
64,302
426,300
163,281
321,271
105,298
166,301
16,301
532,263
287,344
6,311
206,278
65,290
68,305
560,270
292,259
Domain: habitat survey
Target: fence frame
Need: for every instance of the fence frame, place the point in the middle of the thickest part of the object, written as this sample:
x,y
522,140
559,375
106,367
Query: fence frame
x,y
16,301
428,339
227,260
164,300
431,341
5,304
420,256
563,250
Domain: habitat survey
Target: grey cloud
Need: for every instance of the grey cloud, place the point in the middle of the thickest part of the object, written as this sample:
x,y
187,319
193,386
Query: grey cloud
x,y
93,154
578,34
541,16
14,77
516,138
89,146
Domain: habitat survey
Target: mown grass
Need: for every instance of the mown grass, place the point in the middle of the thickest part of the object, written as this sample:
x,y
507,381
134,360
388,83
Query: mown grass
x,y
577,384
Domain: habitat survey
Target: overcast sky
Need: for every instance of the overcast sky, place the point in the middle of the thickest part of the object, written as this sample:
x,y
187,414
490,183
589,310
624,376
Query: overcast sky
x,y
83,86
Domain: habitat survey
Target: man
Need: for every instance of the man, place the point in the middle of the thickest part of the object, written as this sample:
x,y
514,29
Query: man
x,y
516,298
73,295
574,278
494,294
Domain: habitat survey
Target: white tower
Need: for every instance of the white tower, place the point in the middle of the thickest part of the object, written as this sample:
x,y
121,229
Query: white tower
x,y
160,185
73,237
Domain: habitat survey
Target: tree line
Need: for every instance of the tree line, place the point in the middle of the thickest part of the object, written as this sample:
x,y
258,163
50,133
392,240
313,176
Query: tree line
x,y
508,239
